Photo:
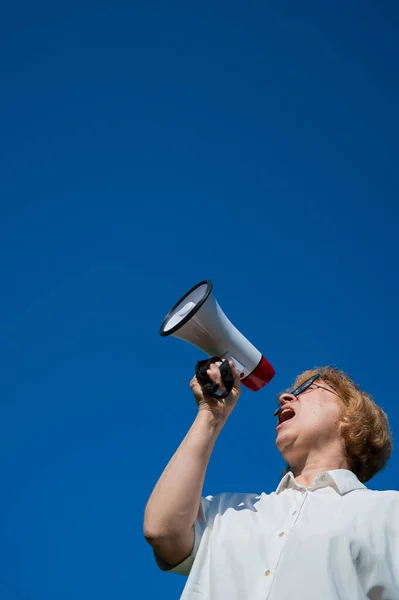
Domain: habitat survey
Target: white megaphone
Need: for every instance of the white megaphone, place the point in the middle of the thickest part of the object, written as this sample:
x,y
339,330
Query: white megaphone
x,y
198,319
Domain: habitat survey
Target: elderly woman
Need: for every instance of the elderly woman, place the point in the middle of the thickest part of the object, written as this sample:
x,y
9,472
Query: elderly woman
x,y
321,535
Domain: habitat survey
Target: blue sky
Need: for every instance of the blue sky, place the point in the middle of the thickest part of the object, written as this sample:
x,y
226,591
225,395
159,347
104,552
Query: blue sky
x,y
147,146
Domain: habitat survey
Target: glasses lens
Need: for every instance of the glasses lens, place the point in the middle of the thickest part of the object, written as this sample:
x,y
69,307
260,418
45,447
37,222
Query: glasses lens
x,y
305,385
300,389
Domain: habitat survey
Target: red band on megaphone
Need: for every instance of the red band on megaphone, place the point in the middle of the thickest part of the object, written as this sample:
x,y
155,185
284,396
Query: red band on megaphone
x,y
260,376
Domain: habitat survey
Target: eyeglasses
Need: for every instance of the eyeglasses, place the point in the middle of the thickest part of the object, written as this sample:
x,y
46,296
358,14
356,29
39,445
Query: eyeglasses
x,y
302,388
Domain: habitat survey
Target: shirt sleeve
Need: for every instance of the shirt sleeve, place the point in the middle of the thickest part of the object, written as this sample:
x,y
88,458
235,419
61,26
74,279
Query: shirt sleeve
x,y
389,563
200,525
382,570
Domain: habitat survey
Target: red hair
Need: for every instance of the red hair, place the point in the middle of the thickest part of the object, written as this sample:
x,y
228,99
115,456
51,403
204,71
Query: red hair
x,y
364,425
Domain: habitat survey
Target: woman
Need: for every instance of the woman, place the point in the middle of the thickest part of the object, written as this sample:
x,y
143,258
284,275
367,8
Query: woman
x,y
321,534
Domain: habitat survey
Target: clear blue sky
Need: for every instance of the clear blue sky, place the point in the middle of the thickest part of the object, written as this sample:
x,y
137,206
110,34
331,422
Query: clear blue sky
x,y
146,146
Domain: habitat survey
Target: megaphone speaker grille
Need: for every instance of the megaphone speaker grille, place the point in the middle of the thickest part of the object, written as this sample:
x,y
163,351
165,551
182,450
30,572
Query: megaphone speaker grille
x,y
186,308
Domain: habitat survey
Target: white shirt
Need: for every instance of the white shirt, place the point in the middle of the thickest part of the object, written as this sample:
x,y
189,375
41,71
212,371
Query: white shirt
x,y
336,540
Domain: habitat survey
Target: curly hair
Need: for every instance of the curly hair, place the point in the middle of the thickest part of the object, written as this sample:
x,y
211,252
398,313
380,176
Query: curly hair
x,y
364,425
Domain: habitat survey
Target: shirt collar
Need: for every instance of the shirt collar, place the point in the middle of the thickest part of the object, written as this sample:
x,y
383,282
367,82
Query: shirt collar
x,y
342,481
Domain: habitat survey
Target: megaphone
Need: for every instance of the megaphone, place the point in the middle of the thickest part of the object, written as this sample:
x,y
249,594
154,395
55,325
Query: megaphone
x,y
198,319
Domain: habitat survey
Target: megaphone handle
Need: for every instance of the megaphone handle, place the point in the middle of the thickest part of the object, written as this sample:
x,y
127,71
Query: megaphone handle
x,y
210,388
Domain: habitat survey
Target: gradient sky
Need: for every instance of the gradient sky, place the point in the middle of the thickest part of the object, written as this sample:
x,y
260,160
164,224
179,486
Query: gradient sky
x,y
146,146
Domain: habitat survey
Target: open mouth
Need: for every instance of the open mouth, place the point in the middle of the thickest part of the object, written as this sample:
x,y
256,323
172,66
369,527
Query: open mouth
x,y
285,415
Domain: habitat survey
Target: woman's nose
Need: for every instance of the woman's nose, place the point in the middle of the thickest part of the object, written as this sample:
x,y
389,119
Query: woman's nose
x,y
284,398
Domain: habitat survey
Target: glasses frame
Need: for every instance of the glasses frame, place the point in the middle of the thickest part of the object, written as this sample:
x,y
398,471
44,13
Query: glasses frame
x,y
302,388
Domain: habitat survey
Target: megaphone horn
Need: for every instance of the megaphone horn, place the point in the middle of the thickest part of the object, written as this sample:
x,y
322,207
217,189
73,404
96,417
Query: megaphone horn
x,y
198,319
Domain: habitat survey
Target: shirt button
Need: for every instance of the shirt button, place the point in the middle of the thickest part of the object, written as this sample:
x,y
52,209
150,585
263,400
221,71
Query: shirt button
x,y
294,513
268,572
281,534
